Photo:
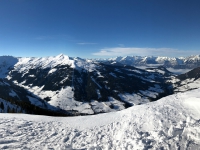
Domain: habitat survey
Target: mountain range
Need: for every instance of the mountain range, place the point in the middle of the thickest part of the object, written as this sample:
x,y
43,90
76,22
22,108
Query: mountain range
x,y
63,85
177,63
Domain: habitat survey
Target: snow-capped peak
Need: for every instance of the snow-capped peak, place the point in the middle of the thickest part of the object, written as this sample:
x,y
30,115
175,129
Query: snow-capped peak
x,y
61,56
189,62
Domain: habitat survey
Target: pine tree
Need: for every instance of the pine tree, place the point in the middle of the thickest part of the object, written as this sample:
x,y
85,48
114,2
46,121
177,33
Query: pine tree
x,y
12,110
8,109
2,106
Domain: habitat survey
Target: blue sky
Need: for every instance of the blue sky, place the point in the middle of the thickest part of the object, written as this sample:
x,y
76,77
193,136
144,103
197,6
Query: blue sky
x,y
99,28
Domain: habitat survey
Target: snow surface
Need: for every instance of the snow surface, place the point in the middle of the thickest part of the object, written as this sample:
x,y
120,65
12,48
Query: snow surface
x,y
170,123
149,93
84,64
7,105
35,101
187,84
133,99
151,61
178,71
134,70
6,62
115,103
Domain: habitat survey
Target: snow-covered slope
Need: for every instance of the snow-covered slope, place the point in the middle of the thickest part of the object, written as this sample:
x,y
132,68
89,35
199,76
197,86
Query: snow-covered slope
x,y
186,81
170,123
25,64
6,62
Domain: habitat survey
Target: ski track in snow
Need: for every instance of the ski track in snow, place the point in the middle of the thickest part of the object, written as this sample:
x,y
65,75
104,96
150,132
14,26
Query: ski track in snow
x,y
170,123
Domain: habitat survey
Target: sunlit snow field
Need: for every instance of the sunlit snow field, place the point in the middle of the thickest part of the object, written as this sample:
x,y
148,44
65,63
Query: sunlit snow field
x,y
170,123
175,71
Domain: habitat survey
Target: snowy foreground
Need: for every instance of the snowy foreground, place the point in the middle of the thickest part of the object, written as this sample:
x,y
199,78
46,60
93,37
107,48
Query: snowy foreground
x,y
170,123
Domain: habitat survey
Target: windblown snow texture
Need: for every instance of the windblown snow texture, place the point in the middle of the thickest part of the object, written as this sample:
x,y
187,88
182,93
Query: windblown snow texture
x,y
172,122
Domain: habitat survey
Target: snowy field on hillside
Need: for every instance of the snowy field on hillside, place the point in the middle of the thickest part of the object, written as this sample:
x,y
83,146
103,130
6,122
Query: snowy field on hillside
x,y
175,71
178,71
170,123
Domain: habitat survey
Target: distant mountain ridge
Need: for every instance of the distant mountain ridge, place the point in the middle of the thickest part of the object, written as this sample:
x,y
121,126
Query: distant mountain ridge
x,y
178,63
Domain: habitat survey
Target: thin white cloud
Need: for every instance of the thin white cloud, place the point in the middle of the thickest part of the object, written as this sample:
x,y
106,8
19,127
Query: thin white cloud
x,y
124,51
86,43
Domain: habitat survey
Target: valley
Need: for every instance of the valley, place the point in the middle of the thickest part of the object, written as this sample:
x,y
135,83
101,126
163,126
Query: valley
x,y
68,86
